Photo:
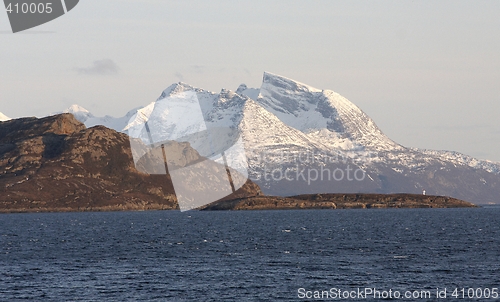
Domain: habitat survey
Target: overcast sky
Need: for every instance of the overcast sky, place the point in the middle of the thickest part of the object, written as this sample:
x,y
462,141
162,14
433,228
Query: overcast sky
x,y
427,72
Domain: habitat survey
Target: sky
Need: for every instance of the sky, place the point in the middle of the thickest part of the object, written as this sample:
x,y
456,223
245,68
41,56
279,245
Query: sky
x,y
427,72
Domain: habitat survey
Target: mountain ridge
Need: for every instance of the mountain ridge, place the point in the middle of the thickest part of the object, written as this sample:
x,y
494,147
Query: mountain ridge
x,y
288,117
56,164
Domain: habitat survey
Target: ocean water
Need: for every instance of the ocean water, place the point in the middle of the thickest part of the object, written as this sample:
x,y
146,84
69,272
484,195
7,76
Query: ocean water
x,y
249,256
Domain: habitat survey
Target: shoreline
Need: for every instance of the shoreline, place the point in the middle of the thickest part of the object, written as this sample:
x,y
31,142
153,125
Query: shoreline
x,y
261,202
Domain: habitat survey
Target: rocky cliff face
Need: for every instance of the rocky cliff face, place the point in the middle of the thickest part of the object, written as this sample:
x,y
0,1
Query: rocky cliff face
x,y
57,164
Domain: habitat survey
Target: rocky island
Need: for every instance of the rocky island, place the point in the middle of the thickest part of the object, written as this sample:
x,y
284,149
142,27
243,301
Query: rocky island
x,y
339,201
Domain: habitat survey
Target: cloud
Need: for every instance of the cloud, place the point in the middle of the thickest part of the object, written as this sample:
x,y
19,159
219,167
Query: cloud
x,y
198,68
100,67
179,76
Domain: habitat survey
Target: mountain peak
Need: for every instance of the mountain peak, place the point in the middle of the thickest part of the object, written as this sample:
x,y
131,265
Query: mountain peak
x,y
76,108
241,88
252,93
176,88
286,83
322,114
3,117
28,127
79,113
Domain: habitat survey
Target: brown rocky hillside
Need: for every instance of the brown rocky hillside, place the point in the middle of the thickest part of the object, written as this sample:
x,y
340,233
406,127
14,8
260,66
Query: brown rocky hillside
x,y
56,164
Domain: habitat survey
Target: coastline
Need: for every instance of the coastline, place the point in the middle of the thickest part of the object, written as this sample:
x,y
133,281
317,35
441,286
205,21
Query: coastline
x,y
262,202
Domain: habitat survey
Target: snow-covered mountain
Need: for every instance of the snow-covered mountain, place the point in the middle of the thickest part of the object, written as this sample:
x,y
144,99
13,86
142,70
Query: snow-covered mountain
x,y
299,139
321,114
79,112
3,117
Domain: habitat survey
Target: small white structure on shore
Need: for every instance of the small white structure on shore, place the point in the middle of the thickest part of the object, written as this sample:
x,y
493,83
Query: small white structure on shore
x,y
423,192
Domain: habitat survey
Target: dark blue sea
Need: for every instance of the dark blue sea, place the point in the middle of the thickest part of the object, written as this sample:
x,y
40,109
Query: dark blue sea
x,y
251,256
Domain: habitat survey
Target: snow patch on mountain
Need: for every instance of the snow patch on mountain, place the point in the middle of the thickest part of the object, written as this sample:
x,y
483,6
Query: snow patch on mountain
x,y
292,102
3,117
116,123
263,131
462,159
84,116
252,93
79,113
